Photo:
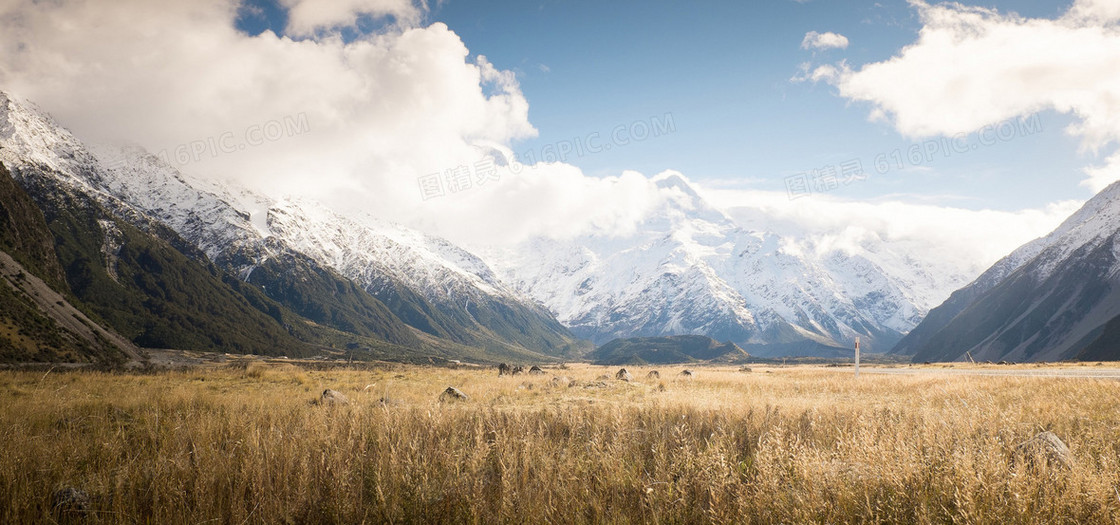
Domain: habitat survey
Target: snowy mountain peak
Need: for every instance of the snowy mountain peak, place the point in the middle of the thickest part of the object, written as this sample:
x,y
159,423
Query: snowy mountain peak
x,y
690,269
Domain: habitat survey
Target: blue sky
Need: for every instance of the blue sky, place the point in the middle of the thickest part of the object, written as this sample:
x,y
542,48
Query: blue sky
x,y
391,100
723,70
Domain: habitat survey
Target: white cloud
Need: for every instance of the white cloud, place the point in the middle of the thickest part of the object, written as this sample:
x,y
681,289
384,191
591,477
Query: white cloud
x,y
307,17
972,67
1094,11
380,111
956,240
815,40
552,200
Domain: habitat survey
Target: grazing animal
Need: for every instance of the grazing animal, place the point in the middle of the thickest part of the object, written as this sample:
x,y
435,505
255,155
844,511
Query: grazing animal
x,y
687,373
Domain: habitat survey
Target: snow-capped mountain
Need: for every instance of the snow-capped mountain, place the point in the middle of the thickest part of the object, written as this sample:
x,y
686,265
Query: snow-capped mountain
x,y
427,282
691,269
688,268
1053,298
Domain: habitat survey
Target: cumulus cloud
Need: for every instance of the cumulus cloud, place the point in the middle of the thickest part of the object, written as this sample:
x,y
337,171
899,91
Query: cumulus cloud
x,y
815,40
973,66
380,113
376,112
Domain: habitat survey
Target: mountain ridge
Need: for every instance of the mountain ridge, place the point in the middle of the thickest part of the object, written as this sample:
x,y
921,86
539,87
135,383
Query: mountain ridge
x,y
202,226
1053,298
692,269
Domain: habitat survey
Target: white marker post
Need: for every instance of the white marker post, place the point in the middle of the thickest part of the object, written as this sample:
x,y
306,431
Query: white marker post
x,y
857,357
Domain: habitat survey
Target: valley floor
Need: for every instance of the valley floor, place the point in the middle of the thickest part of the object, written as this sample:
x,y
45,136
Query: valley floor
x,y
247,441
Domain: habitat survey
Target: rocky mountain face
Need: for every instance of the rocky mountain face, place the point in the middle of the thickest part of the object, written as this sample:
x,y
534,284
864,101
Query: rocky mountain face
x,y
690,269
370,280
1054,298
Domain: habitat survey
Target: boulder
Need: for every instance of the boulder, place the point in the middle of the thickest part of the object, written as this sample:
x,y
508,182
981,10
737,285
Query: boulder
x,y
561,381
623,375
653,374
503,369
333,397
453,394
536,371
1045,448
745,369
516,370
687,374
68,502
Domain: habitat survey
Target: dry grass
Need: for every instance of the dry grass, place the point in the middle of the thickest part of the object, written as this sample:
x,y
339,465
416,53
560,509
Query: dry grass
x,y
793,446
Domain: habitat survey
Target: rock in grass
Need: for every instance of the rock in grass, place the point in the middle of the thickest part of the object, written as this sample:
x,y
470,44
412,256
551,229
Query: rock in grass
x,y
453,394
1045,448
687,374
561,381
68,502
745,369
623,375
333,397
653,374
536,371
504,369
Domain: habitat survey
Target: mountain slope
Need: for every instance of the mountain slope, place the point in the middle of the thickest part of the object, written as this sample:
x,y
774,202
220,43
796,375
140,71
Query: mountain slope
x,y
425,282
37,323
666,350
1054,298
436,286
296,253
146,289
690,269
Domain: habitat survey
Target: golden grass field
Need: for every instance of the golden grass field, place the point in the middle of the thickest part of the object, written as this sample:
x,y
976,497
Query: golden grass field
x,y
246,444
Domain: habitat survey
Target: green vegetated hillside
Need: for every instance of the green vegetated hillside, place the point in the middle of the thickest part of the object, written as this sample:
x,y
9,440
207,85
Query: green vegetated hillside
x,y
24,233
492,325
141,280
27,333
328,299
147,290
667,350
